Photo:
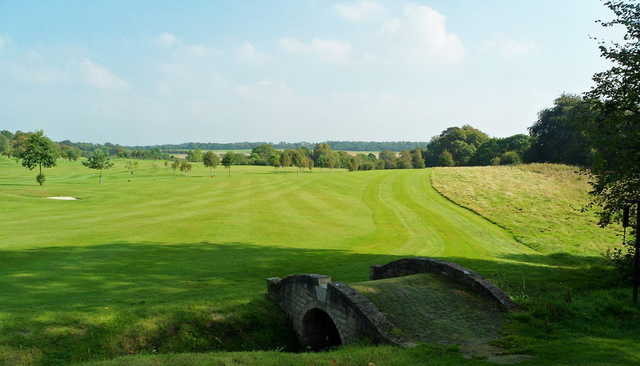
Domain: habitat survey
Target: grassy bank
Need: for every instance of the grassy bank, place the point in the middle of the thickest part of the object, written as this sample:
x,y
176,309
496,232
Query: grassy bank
x,y
162,263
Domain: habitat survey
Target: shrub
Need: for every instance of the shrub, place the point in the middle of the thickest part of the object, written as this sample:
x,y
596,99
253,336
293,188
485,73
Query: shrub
x,y
510,158
622,259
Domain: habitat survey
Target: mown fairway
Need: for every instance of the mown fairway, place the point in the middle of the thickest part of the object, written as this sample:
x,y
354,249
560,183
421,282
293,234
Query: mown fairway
x,y
162,262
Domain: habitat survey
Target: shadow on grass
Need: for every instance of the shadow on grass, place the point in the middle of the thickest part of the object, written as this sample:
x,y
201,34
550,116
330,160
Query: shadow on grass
x,y
68,304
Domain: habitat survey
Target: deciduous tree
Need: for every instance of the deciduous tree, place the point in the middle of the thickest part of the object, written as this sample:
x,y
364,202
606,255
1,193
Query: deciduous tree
x,y
211,160
100,161
38,151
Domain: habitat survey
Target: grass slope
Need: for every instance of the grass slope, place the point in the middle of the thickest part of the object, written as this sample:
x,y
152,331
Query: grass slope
x,y
164,263
541,204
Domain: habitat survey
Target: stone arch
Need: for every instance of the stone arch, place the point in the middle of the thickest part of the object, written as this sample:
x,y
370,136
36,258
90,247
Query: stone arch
x,y
319,332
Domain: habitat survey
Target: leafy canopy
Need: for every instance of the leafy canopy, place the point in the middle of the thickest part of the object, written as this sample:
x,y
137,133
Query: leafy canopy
x,y
99,160
615,135
38,151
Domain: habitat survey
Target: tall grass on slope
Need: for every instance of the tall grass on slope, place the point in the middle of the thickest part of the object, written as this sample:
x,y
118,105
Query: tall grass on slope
x,y
540,204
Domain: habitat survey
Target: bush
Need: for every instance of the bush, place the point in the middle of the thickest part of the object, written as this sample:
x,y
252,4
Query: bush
x,y
510,158
40,178
622,259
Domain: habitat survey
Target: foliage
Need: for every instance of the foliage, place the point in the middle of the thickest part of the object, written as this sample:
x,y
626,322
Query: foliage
x,y
211,160
40,178
131,166
262,155
446,159
622,259
228,160
194,156
510,158
615,135
175,165
98,160
38,151
490,151
559,135
185,167
460,142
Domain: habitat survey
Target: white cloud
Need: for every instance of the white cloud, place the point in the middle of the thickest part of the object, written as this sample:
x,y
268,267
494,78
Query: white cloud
x,y
420,35
360,10
510,47
332,51
167,40
248,53
100,77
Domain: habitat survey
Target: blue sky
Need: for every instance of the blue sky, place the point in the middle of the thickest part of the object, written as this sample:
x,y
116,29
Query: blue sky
x,y
150,72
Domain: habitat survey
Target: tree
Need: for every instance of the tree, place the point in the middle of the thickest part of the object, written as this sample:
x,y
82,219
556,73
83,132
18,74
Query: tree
x,y
194,155
299,159
417,159
262,154
286,158
460,142
211,160
70,153
446,159
228,160
490,151
131,166
38,152
615,133
175,164
185,167
5,146
98,160
323,156
559,135
275,159
389,158
510,158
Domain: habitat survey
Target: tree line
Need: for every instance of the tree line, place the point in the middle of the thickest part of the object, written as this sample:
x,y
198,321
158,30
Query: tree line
x,y
560,135
336,145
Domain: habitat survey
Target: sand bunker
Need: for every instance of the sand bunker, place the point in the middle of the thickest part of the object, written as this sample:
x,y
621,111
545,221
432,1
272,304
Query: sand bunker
x,y
63,198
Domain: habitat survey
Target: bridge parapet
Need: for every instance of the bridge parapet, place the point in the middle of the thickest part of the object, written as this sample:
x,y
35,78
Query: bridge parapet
x,y
456,272
325,313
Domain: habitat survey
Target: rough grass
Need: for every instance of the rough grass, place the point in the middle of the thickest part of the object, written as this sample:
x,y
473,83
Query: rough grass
x,y
540,204
350,356
157,263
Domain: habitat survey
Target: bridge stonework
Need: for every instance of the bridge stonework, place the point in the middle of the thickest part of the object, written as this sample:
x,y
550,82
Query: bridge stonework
x,y
326,314
355,317
456,272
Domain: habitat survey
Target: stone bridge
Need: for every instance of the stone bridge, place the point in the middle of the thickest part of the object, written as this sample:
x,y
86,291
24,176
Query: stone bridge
x,y
326,314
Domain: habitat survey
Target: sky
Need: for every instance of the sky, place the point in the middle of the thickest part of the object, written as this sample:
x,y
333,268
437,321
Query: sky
x,y
151,72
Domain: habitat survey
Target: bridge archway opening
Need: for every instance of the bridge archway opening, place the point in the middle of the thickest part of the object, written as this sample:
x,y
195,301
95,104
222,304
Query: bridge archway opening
x,y
319,331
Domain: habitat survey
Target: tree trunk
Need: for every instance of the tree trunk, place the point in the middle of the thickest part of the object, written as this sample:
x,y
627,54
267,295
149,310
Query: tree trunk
x,y
636,257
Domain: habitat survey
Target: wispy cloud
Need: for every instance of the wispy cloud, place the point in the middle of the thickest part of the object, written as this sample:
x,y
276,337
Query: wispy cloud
x,y
100,77
359,11
248,53
167,40
333,51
